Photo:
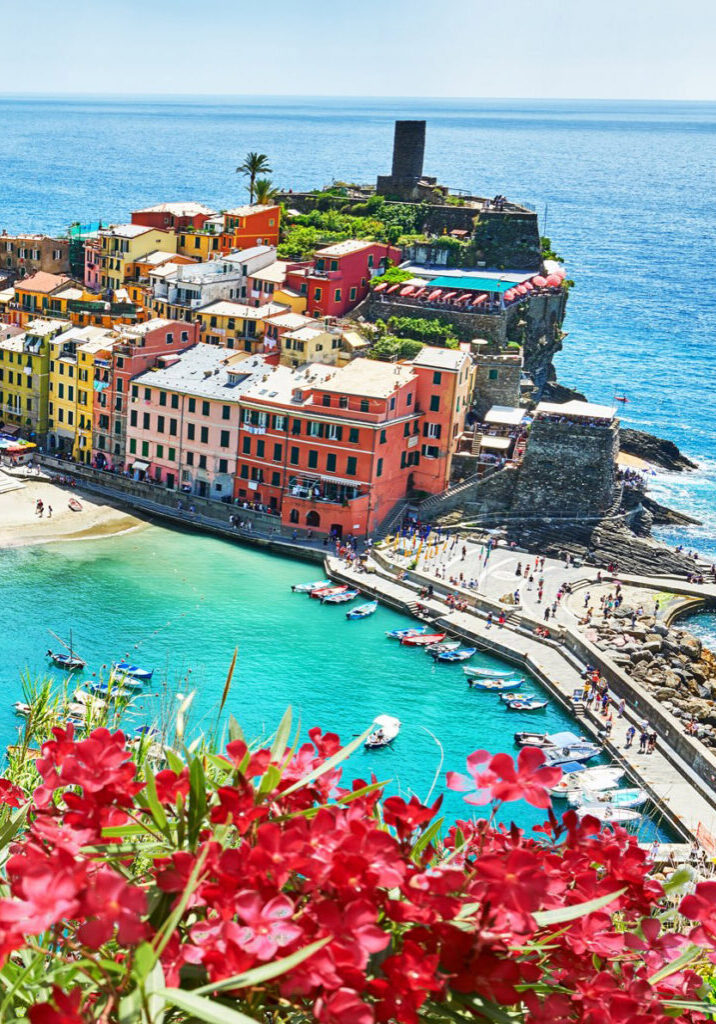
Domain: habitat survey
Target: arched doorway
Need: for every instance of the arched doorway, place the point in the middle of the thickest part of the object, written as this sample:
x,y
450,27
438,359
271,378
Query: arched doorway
x,y
313,518
336,530
293,516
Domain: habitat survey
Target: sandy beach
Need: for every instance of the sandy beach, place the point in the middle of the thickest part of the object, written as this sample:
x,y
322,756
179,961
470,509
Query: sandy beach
x,y
20,525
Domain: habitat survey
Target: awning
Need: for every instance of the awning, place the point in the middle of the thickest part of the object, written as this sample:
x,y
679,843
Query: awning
x,y
138,464
509,415
500,444
341,480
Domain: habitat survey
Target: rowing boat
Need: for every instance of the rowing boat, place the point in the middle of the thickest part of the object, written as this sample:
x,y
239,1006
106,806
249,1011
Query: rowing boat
x,y
498,685
123,668
70,662
617,797
306,588
459,655
321,592
527,705
593,779
398,634
608,813
340,598
386,729
362,611
490,673
447,645
423,639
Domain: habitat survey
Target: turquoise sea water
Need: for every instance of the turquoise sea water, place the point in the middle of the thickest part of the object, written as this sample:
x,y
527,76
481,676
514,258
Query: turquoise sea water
x,y
180,603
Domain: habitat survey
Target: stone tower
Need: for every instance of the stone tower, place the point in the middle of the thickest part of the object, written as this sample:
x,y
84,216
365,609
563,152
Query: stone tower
x,y
408,153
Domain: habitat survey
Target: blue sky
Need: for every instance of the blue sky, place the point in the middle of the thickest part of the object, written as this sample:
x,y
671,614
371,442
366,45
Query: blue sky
x,y
470,48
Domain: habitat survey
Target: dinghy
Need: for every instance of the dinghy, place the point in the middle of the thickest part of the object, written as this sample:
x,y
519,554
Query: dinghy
x,y
423,639
398,634
491,673
617,797
321,592
362,611
498,685
341,598
577,752
459,655
517,695
527,705
20,708
306,588
386,729
69,662
447,645
608,813
595,779
124,668
74,505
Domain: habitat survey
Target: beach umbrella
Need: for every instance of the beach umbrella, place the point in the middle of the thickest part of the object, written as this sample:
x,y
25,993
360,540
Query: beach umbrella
x,y
554,281
509,296
521,290
539,281
560,272
527,285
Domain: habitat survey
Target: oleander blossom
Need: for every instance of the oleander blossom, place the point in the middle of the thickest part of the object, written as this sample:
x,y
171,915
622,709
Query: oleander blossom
x,y
212,870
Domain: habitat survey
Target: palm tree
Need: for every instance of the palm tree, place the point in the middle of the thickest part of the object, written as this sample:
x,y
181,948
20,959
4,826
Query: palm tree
x,y
264,191
253,165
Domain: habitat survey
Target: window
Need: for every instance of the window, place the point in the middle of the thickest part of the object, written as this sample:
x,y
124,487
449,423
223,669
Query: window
x,y
190,458
430,451
293,457
160,424
146,421
173,428
175,402
160,451
493,375
260,449
364,405
135,392
351,465
370,259
379,468
202,462
432,430
145,449
244,472
353,435
190,431
352,294
223,465
226,412
204,435
246,445
132,446
170,338
337,295
147,391
317,294
204,408
334,432
392,403
162,397
279,422
192,405
133,418
277,452
331,462
313,459
409,399
343,402
435,403
327,400
437,378
224,439
295,426
276,479
172,454
383,437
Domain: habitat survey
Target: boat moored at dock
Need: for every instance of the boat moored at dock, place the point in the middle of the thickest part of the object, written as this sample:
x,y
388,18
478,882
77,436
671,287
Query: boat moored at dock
x,y
306,588
362,611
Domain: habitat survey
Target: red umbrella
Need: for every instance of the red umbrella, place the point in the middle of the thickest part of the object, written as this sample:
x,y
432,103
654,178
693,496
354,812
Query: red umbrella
x,y
561,272
554,281
539,281
509,296
480,299
381,286
450,295
434,295
521,290
528,285
407,290
393,288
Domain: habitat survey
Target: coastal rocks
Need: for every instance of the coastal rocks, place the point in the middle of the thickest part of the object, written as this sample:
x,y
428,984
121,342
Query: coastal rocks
x,y
655,450
690,646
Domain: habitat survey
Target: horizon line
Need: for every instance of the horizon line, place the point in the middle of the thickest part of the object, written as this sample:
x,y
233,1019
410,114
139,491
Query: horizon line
x,y
44,94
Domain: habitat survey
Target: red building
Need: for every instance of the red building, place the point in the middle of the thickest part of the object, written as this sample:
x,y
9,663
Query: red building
x,y
136,348
173,216
339,278
248,226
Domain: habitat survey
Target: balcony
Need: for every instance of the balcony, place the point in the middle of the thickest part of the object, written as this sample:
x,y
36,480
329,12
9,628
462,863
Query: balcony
x,y
325,489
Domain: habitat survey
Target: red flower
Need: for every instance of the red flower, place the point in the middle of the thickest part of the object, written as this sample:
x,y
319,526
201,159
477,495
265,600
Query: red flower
x,y
700,906
266,927
479,778
171,785
64,1008
343,1007
111,902
10,794
499,780
405,818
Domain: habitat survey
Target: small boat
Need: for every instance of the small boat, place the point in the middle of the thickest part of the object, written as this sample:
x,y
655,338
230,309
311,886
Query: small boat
x,y
490,673
70,662
527,705
460,655
119,689
146,730
447,645
398,634
608,813
74,505
386,729
578,752
321,592
617,797
498,685
423,639
123,668
362,611
341,598
594,779
306,588
20,708
512,695
621,398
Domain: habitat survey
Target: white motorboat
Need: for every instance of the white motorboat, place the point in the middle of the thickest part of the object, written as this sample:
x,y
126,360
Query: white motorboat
x,y
594,779
617,797
489,673
446,645
608,813
385,731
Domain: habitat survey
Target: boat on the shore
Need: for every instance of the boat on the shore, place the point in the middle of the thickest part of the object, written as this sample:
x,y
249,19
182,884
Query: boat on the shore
x,y
123,668
423,639
533,704
362,611
490,673
74,505
386,729
608,813
458,655
398,634
341,598
617,797
306,588
594,779
321,592
496,685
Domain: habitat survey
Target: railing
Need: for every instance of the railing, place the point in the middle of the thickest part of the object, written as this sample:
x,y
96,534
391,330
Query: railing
x,y
450,492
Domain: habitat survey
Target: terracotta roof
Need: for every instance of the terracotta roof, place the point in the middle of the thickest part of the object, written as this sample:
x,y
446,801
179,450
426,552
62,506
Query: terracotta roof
x,y
42,282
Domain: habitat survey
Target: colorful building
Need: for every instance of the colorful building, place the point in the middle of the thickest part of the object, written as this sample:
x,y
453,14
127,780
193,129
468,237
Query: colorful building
x,y
136,348
311,344
185,420
174,216
338,279
93,264
179,291
235,325
25,377
26,254
34,296
122,245
446,383
247,226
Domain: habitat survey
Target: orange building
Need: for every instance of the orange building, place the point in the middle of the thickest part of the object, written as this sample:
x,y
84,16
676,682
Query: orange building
x,y
247,226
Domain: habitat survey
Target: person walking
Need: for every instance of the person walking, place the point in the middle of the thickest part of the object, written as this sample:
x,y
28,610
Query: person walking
x,y
643,740
49,511
630,734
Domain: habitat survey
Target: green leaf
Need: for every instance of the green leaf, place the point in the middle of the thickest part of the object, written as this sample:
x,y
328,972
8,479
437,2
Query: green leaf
x,y
204,1009
426,837
165,932
173,760
153,988
157,811
270,779
331,763
571,913
266,972
278,747
678,880
144,961
685,957
130,1007
235,730
119,831
9,830
197,799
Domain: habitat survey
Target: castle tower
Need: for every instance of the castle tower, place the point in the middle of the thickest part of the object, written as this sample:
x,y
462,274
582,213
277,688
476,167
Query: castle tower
x,y
408,149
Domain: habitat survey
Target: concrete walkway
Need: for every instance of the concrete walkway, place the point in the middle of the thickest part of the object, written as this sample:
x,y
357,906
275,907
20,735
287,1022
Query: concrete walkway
x,y
670,782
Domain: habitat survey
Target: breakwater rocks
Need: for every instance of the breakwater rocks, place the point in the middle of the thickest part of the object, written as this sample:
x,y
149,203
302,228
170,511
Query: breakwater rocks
x,y
655,450
669,662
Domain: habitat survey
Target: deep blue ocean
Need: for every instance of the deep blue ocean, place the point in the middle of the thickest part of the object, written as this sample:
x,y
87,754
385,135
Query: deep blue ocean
x,y
625,192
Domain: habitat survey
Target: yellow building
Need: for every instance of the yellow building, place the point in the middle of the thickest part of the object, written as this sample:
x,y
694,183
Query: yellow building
x,y
235,325
94,352
25,376
122,246
310,345
200,244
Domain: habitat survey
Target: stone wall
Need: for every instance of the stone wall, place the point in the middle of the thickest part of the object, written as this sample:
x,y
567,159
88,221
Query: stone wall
x,y
497,381
467,325
537,325
567,468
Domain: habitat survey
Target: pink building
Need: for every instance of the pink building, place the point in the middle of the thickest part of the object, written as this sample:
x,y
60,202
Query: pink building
x,y
173,216
184,420
92,264
338,279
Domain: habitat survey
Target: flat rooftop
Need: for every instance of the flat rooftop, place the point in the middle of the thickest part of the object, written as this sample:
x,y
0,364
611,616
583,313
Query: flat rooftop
x,y
178,209
208,372
369,378
247,210
345,248
292,321
274,273
282,383
440,358
225,307
582,410
505,415
126,230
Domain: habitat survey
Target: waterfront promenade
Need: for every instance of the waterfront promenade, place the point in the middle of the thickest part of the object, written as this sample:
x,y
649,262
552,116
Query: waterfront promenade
x,y
678,785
